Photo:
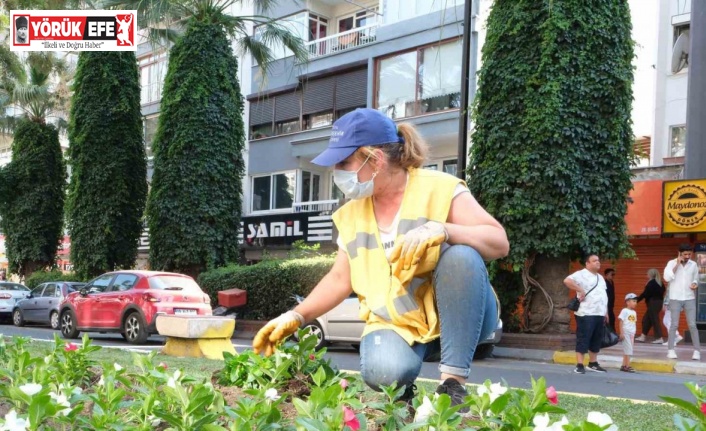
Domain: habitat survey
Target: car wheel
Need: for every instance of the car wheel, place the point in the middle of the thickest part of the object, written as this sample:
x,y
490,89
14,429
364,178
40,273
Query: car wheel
x,y
54,320
484,351
317,331
135,329
17,317
67,325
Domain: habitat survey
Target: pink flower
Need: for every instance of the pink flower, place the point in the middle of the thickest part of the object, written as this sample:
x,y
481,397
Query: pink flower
x,y
162,365
703,408
70,347
551,395
344,383
350,420
311,357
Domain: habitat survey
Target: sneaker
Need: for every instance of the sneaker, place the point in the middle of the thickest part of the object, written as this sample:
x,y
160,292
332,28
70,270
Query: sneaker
x,y
658,341
408,394
666,343
580,369
697,355
456,391
593,366
671,354
640,339
627,369
679,338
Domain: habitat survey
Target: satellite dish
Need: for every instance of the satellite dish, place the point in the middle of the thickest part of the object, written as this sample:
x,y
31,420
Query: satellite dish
x,y
680,53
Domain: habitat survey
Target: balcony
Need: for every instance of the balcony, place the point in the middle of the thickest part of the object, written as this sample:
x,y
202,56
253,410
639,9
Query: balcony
x,y
152,93
342,41
322,207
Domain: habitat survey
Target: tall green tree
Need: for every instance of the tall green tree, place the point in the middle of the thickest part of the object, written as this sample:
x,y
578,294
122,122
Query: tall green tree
x,y
552,146
195,202
108,186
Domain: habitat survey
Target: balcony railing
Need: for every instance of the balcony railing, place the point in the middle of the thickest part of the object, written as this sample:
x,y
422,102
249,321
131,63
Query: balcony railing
x,y
342,41
152,93
324,207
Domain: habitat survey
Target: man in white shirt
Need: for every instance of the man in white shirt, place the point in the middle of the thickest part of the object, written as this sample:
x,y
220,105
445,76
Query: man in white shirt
x,y
592,314
682,275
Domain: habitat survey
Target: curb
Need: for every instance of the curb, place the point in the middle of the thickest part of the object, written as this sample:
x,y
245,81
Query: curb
x,y
639,364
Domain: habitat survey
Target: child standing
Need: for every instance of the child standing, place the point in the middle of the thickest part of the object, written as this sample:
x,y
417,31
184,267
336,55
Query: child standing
x,y
628,327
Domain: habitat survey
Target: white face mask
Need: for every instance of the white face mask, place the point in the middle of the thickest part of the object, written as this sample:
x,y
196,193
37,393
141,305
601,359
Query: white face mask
x,y
348,182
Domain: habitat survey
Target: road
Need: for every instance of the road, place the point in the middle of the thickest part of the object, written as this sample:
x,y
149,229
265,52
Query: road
x,y
517,373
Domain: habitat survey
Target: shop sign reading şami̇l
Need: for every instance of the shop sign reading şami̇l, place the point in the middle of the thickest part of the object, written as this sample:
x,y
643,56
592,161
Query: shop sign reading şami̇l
x,y
684,206
73,30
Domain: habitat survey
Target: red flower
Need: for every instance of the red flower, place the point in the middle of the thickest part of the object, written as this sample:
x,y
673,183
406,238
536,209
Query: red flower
x,y
344,383
703,408
551,395
162,365
70,347
350,420
311,357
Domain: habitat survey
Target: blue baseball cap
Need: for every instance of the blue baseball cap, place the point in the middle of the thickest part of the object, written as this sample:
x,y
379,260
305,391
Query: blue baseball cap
x,y
360,128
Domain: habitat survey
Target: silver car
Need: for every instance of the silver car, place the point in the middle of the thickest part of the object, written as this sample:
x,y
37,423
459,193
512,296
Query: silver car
x,y
42,304
10,293
342,325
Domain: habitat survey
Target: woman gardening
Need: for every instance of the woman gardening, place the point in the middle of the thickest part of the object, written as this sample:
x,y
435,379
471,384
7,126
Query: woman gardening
x,y
412,245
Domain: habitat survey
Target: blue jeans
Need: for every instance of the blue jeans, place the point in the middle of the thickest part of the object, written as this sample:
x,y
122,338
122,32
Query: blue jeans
x,y
467,312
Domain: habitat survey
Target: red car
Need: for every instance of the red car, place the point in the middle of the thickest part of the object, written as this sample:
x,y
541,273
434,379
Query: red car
x,y
129,302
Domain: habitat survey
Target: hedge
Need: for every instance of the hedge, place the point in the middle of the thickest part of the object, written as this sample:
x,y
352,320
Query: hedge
x,y
270,284
39,277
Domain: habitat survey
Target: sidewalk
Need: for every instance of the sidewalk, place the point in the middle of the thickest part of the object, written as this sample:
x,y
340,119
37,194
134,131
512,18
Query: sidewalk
x,y
647,357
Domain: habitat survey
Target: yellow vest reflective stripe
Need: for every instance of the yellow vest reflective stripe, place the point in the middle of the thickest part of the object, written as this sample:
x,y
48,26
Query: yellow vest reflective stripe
x,y
408,309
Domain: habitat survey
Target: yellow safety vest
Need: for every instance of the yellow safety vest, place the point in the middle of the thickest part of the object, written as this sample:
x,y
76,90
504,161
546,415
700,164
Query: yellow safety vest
x,y
408,309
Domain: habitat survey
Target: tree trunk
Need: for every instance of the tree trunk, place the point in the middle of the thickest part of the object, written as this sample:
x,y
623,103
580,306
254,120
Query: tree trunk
x,y
550,272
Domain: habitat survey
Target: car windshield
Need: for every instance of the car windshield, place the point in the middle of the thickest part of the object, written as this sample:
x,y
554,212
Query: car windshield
x,y
13,286
173,282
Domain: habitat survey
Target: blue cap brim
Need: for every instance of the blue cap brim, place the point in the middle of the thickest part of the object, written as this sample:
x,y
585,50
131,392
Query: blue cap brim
x,y
332,156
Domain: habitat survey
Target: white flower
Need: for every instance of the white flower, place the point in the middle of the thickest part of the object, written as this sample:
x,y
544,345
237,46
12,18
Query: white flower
x,y
602,420
31,388
101,382
425,410
117,367
13,423
172,380
541,423
495,390
63,401
284,355
154,420
271,394
47,359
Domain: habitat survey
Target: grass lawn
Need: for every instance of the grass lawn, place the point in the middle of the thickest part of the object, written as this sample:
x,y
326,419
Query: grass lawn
x,y
628,415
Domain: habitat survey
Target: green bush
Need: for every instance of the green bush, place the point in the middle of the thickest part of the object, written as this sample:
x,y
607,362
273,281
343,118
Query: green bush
x,y
39,277
270,284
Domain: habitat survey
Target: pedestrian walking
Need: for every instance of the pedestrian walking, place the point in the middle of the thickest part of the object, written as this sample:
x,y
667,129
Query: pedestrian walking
x,y
628,327
682,275
654,297
412,245
592,315
610,290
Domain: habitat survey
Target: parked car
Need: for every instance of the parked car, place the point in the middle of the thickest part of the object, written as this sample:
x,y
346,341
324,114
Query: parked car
x,y
42,304
10,293
342,325
128,302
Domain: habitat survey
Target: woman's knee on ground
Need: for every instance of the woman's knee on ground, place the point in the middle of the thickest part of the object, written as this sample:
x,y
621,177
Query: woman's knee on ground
x,y
386,374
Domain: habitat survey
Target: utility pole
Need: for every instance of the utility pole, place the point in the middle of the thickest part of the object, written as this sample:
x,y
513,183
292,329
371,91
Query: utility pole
x,y
469,65
695,159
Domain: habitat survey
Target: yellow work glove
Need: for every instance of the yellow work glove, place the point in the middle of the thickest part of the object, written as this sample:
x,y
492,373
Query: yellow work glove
x,y
412,246
275,331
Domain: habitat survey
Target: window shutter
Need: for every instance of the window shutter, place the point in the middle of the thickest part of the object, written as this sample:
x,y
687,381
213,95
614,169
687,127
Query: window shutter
x,y
261,111
287,106
352,89
318,95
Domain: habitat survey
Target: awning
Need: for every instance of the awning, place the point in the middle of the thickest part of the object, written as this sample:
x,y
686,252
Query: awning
x,y
644,215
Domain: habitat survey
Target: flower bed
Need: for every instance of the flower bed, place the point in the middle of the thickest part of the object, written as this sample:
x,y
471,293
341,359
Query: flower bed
x,y
295,389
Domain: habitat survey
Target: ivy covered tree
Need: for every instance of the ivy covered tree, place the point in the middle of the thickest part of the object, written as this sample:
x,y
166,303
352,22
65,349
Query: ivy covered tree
x,y
552,145
194,206
108,186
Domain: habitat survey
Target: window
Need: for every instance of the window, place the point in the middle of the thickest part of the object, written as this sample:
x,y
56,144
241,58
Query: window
x,y
124,282
433,167
677,141
36,292
50,291
451,166
152,72
317,26
425,80
679,30
150,129
336,193
273,192
359,19
322,119
311,183
99,284
261,131
287,126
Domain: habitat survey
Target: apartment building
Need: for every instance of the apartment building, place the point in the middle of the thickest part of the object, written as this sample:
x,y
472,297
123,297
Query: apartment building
x,y
402,57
